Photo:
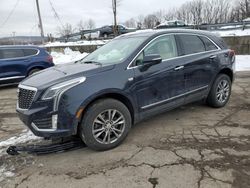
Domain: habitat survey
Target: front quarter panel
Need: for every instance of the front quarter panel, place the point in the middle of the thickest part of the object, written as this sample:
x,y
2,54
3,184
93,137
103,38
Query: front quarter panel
x,y
110,82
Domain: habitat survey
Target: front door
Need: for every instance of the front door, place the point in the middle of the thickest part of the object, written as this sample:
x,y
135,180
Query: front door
x,y
159,86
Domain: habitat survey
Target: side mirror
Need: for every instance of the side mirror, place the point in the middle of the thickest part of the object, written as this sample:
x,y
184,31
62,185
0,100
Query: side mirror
x,y
152,59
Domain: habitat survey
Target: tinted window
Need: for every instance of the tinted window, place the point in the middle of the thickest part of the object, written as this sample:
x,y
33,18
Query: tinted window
x,y
29,52
208,44
164,46
191,44
11,53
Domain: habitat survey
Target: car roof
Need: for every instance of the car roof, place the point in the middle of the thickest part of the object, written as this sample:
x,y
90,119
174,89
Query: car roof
x,y
156,32
20,46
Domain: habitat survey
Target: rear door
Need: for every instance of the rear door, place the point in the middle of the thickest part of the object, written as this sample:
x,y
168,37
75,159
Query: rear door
x,y
12,64
160,86
198,56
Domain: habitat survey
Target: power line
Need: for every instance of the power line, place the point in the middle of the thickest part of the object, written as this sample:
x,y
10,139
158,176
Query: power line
x,y
56,15
10,14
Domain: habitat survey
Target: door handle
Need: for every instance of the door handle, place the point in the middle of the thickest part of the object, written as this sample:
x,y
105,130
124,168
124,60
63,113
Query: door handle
x,y
212,57
178,68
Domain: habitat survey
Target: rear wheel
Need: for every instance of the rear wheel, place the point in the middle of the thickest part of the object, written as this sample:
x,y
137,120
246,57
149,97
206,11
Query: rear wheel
x,y
32,71
220,91
105,124
105,35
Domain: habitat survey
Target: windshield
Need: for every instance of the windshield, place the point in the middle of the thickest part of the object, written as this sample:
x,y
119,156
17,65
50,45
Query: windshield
x,y
115,51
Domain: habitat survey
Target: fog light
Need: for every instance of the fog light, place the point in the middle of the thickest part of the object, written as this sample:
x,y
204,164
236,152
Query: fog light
x,y
54,121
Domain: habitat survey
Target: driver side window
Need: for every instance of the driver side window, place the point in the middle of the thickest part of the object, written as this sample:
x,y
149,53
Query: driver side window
x,y
164,46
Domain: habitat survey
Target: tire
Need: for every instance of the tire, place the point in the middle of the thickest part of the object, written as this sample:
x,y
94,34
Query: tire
x,y
32,71
220,91
105,35
108,132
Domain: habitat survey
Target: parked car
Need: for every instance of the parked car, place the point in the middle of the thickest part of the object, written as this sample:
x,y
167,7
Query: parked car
x,y
171,24
108,30
131,78
19,62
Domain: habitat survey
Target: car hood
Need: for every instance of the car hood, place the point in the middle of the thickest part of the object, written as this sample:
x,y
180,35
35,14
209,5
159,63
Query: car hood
x,y
60,73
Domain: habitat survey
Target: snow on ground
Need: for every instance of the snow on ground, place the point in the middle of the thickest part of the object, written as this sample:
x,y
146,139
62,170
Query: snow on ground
x,y
68,56
77,43
236,32
242,63
24,137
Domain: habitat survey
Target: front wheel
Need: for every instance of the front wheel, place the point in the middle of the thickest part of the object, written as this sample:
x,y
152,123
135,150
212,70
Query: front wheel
x,y
220,91
105,124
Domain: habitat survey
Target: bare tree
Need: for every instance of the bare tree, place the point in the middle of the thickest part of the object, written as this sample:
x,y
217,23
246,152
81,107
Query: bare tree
x,y
131,23
160,15
170,14
140,20
65,30
150,21
80,26
89,24
244,8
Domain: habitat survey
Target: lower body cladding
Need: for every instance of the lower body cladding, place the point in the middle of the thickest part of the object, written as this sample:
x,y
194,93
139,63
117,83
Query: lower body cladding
x,y
44,122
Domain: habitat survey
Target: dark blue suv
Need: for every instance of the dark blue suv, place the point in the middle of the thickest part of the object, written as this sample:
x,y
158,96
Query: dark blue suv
x,y
131,78
18,62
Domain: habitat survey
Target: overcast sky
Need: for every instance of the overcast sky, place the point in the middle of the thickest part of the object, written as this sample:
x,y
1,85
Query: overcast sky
x,y
24,19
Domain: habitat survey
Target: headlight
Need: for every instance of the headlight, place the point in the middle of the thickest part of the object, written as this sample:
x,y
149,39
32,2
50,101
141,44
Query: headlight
x,y
61,87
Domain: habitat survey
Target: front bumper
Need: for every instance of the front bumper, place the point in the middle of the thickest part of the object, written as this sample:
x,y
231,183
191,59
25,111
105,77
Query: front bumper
x,y
43,112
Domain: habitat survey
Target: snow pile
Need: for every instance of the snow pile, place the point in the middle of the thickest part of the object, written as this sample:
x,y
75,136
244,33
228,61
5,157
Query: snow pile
x,y
242,63
77,43
24,137
68,56
237,32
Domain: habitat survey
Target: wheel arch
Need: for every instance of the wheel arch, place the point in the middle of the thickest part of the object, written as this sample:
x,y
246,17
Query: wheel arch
x,y
34,67
228,72
112,95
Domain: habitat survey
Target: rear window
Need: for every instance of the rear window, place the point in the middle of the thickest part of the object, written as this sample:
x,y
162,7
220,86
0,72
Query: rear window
x,y
29,52
191,44
11,53
208,44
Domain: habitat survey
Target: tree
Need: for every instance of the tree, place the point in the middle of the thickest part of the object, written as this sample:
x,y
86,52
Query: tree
x,y
150,21
131,23
89,24
80,26
244,8
140,20
65,30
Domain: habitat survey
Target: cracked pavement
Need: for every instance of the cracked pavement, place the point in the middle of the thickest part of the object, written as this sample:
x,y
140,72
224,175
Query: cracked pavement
x,y
192,146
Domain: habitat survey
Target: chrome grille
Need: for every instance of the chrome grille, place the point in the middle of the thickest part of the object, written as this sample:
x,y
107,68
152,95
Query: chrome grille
x,y
25,97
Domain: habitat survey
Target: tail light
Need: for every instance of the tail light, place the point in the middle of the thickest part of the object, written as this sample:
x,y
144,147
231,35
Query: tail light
x,y
50,59
232,55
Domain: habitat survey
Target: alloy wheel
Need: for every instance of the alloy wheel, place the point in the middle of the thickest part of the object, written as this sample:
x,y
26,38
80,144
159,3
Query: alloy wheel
x,y
108,126
222,91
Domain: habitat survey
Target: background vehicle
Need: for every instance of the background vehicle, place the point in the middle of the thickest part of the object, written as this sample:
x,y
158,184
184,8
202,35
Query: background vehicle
x,y
107,30
18,62
171,24
131,78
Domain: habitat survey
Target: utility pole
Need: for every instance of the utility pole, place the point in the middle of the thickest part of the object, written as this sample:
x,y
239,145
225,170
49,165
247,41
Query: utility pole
x,y
40,21
114,8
